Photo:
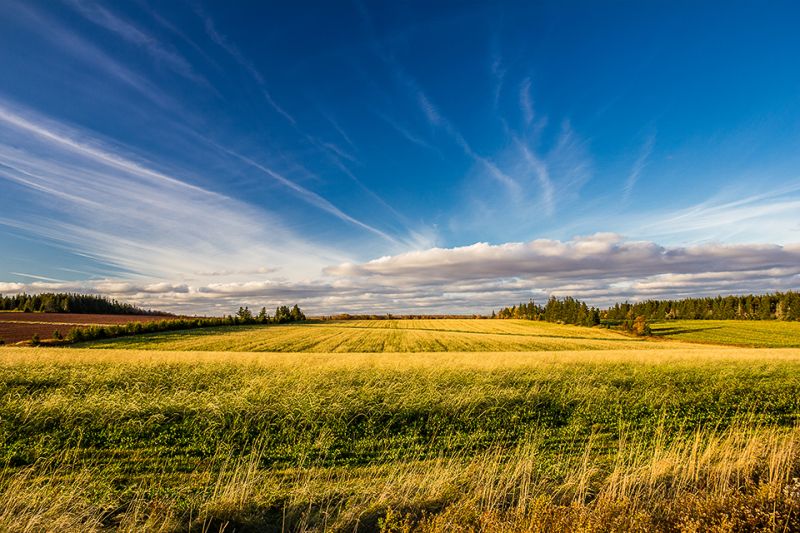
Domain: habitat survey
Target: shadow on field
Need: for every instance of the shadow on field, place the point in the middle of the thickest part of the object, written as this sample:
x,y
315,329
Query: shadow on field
x,y
666,332
279,518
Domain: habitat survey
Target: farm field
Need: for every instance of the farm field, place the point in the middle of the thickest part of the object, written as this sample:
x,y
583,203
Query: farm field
x,y
16,326
752,333
466,335
648,435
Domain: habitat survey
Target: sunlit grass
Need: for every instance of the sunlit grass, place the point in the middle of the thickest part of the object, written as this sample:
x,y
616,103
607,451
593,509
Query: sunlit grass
x,y
654,439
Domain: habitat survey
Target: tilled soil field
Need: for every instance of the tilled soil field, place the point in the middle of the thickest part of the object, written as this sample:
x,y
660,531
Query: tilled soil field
x,y
15,327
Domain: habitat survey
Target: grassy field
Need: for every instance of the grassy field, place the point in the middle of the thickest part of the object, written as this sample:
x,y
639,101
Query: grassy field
x,y
389,336
751,333
594,431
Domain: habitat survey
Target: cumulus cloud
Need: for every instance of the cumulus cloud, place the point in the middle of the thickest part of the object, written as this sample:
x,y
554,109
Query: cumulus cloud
x,y
601,268
601,255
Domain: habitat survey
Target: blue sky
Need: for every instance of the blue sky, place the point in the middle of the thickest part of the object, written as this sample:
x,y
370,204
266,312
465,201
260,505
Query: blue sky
x,y
375,156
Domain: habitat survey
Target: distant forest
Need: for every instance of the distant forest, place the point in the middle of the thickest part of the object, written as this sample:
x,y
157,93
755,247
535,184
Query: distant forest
x,y
567,310
777,306
70,303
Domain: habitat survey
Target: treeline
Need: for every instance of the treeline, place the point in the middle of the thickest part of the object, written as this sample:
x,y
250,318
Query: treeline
x,y
777,306
565,311
389,316
90,333
571,311
243,317
283,315
634,317
70,303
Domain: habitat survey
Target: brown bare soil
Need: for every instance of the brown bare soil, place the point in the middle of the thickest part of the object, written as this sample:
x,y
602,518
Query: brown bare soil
x,y
15,327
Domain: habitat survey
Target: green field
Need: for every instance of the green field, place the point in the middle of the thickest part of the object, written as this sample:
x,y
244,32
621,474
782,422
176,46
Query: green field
x,y
751,333
588,430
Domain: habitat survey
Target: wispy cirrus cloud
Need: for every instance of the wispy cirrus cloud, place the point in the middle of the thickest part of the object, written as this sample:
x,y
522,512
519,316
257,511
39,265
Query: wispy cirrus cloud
x,y
550,177
338,128
34,276
729,216
436,119
123,213
542,172
638,166
525,101
76,46
406,132
331,150
105,157
135,35
310,196
498,72
429,110
233,51
91,56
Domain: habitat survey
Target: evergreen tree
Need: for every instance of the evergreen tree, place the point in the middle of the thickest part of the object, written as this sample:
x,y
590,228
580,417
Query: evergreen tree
x,y
780,306
69,303
245,315
296,315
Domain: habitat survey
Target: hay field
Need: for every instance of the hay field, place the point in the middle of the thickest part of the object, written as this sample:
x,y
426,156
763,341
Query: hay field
x,y
458,335
674,437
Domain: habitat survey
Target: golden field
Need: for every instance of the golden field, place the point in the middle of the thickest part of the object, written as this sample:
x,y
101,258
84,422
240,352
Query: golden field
x,y
458,335
588,430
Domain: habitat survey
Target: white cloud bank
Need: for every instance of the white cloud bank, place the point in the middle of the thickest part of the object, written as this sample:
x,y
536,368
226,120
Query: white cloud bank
x,y
600,268
598,256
